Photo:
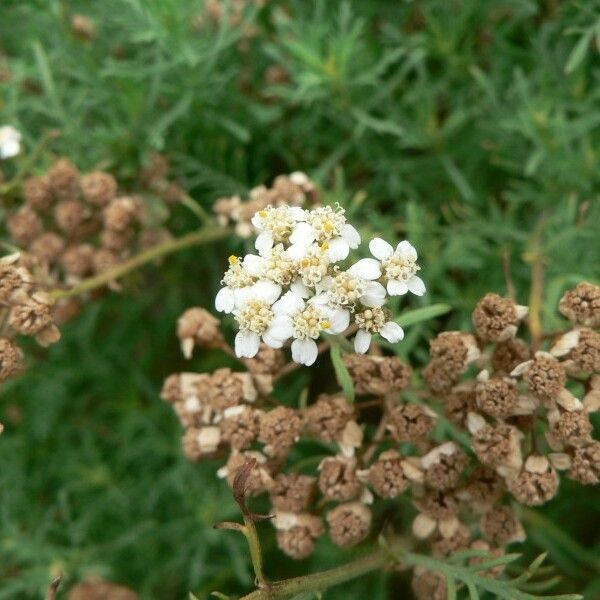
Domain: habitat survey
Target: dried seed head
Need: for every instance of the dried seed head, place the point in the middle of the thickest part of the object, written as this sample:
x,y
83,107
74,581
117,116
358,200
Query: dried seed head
x,y
444,465
15,281
224,389
496,319
507,355
536,484
72,216
47,248
585,356
99,188
349,524
429,585
438,505
280,428
11,359
327,418
32,317
544,376
293,492
483,546
582,304
571,427
445,546
63,177
117,241
585,464
258,481
122,213
377,375
268,361
298,541
37,193
338,480
240,426
171,389
501,526
197,327
483,489
454,350
78,260
498,446
410,422
24,226
199,442
101,590
438,379
104,259
498,397
387,476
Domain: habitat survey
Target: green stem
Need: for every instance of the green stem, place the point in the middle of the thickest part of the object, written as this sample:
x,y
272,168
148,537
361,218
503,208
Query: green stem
x,y
255,552
196,238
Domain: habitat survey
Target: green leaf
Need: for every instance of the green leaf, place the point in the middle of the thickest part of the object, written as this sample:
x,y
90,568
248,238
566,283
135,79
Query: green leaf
x,y
341,371
422,314
578,53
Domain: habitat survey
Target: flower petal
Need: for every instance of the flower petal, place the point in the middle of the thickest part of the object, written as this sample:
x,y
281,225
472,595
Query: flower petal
x,y
225,300
374,295
304,352
264,242
338,249
282,328
405,248
392,332
380,248
352,236
253,264
297,213
266,291
416,286
367,268
303,234
288,304
299,289
339,318
271,341
396,288
362,341
246,344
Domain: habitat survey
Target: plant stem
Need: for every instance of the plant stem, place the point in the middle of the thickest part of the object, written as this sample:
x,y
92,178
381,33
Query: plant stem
x,y
195,238
536,296
255,551
287,588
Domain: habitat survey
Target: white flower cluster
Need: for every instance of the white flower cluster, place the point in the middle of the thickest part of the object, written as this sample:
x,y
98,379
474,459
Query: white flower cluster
x,y
10,141
294,288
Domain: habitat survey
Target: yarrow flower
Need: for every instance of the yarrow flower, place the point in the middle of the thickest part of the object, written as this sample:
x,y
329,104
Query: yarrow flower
x,y
294,291
10,141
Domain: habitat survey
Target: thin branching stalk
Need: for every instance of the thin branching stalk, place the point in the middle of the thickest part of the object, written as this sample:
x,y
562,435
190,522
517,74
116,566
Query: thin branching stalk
x,y
196,238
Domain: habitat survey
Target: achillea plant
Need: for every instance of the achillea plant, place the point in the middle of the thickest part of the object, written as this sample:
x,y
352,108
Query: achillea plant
x,y
484,429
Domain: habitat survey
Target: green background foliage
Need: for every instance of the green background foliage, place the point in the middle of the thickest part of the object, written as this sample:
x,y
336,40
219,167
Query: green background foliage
x,y
469,127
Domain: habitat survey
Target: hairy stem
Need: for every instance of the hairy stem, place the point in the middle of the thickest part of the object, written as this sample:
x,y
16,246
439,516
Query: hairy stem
x,y
195,238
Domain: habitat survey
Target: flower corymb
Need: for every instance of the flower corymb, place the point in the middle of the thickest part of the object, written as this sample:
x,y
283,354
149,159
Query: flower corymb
x,y
294,290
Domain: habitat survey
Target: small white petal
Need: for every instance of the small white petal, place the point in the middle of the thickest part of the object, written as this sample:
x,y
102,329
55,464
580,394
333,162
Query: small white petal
x,y
380,248
396,288
256,220
362,341
303,234
374,295
352,236
304,352
282,328
338,249
324,284
264,242
320,300
225,300
339,319
246,344
367,268
392,332
271,341
267,291
297,213
288,304
405,248
299,289
242,295
416,286
253,264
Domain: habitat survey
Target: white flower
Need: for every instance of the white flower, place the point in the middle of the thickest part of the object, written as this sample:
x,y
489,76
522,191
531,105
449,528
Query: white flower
x,y
276,265
399,267
345,288
374,320
328,228
10,141
256,319
275,225
237,283
305,321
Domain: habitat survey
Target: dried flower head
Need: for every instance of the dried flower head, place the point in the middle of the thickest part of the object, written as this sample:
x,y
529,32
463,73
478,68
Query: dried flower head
x,y
509,354
280,428
24,226
410,422
501,526
443,466
197,327
377,375
429,585
99,188
573,427
38,193
338,479
585,463
327,418
240,426
496,319
387,475
63,177
297,533
536,483
582,304
11,359
293,492
544,375
349,524
499,397
496,446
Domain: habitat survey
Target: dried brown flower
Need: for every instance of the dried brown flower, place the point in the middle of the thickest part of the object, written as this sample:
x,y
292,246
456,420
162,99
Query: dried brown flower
x,y
11,358
240,426
349,524
280,428
585,464
77,260
498,397
459,540
497,446
536,484
544,376
63,178
38,193
47,248
201,441
298,540
507,355
429,585
122,213
496,319
501,526
483,489
328,416
224,389
24,226
197,327
387,476
338,480
377,375
571,427
410,422
293,492
99,188
582,304
72,216
443,466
